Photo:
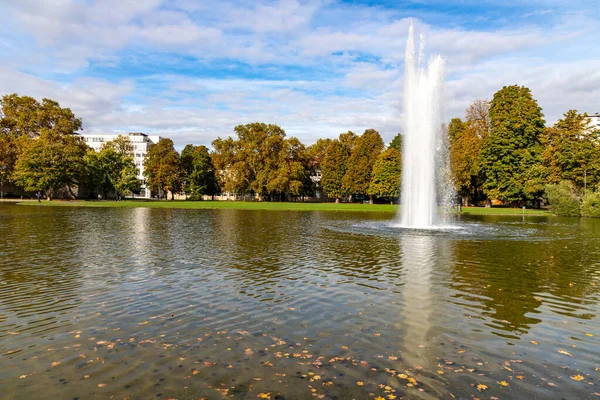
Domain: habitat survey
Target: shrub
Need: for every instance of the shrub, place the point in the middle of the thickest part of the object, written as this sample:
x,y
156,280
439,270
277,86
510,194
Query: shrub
x,y
563,199
591,205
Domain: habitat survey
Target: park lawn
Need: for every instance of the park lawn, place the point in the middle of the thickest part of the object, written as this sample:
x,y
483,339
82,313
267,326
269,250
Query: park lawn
x,y
275,206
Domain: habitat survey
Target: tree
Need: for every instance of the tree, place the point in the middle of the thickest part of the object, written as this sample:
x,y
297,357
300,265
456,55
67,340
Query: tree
x,y
335,164
387,172
199,172
397,142
25,117
316,153
162,167
572,151
261,160
513,147
50,162
113,168
466,139
563,199
366,149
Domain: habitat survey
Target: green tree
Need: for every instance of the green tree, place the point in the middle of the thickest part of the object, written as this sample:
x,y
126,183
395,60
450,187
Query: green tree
x,y
199,172
572,151
335,164
162,168
316,153
50,162
366,149
387,172
563,199
112,169
397,142
25,117
512,149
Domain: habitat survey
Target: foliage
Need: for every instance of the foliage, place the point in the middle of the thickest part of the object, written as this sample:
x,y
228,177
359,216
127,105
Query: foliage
x,y
366,149
563,199
25,117
590,207
513,146
335,164
397,142
572,151
261,160
112,168
316,154
387,171
162,167
50,162
198,172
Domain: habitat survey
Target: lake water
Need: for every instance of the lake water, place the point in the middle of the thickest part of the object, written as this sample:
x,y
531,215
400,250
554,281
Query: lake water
x,y
188,304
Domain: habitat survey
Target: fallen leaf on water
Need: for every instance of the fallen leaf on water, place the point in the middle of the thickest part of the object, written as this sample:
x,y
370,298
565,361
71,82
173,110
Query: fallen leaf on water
x,y
551,384
481,387
392,358
101,384
86,376
577,377
264,395
13,333
55,363
534,342
589,334
379,398
402,376
359,383
520,377
566,353
503,383
440,372
23,377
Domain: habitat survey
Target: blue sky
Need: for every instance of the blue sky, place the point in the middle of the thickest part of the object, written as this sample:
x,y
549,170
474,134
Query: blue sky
x,y
192,70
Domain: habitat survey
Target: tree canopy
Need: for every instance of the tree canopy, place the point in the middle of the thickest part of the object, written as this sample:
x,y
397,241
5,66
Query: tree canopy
x,y
162,168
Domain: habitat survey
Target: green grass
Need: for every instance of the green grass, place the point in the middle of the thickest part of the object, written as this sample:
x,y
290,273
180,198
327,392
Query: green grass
x,y
275,206
502,211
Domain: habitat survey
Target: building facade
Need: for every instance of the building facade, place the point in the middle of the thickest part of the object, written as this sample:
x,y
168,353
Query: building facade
x,y
595,120
141,143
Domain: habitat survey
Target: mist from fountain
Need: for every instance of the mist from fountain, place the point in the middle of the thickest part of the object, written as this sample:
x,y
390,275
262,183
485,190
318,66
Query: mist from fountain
x,y
422,138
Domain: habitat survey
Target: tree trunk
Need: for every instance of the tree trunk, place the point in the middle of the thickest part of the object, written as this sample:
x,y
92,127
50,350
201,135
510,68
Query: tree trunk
x,y
488,202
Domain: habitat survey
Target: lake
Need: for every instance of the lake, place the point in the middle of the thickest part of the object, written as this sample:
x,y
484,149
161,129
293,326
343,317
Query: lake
x,y
188,304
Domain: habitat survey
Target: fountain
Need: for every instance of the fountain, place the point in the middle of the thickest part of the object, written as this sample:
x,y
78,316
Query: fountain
x,y
422,139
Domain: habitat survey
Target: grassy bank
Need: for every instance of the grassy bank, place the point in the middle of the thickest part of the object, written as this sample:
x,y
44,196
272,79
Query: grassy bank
x,y
284,206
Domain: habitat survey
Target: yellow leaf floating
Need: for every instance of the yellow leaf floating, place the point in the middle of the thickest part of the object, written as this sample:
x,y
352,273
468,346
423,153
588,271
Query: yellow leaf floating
x,y
566,353
481,387
359,383
534,342
503,383
577,377
264,395
589,334
379,398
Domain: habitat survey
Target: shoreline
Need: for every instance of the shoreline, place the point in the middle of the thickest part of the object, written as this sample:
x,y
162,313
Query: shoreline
x,y
265,206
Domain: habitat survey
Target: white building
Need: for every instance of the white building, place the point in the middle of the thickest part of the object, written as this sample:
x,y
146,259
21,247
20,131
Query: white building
x,y
595,120
141,144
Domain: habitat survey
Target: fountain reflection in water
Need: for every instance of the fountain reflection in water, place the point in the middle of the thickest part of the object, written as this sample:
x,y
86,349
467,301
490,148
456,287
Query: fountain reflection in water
x,y
422,110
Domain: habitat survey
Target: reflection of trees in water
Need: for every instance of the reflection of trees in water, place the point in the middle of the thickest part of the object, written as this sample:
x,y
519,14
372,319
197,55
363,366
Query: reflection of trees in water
x,y
512,278
39,278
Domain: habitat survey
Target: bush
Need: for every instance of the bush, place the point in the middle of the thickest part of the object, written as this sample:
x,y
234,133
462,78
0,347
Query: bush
x,y
591,205
563,199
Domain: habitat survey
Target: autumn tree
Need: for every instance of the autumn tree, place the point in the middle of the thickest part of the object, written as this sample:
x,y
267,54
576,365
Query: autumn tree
x,y
364,153
335,164
50,162
466,139
25,117
162,167
572,151
198,172
387,172
316,154
511,154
